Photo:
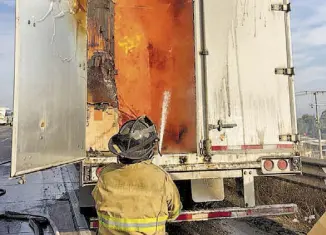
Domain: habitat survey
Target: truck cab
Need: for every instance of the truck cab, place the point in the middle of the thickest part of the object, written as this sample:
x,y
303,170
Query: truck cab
x,y
10,116
4,113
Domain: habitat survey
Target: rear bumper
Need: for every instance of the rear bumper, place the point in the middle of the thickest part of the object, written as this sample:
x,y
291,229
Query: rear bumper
x,y
228,213
238,212
191,168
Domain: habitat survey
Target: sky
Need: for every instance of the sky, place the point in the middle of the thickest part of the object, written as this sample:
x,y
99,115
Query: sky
x,y
308,38
308,21
7,41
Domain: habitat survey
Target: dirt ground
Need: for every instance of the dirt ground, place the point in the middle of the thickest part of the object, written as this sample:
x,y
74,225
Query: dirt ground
x,y
311,202
269,190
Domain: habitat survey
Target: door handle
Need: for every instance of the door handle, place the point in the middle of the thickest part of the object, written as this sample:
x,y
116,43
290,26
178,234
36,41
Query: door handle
x,y
220,125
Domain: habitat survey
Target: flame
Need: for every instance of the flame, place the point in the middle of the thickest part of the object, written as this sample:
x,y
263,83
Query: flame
x,y
129,43
154,52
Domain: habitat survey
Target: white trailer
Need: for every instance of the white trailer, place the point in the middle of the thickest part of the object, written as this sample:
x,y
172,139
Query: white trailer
x,y
244,96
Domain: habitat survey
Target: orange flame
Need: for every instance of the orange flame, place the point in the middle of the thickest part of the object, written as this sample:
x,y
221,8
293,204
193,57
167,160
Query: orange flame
x,y
154,52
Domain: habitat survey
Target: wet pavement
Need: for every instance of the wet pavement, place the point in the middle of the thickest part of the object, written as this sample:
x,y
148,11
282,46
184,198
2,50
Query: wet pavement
x,y
5,143
44,193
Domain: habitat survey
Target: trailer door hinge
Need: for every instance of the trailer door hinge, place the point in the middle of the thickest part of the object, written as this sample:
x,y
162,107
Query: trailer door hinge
x,y
290,137
281,7
204,52
285,71
206,149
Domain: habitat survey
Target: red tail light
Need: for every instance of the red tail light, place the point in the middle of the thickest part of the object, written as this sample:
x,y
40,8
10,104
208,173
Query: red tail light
x,y
282,164
268,165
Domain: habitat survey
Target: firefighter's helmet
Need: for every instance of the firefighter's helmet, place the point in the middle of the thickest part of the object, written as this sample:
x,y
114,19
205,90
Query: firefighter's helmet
x,y
135,141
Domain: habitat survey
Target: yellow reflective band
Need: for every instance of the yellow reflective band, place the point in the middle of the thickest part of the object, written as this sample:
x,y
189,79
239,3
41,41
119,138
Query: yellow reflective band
x,y
133,229
175,213
142,220
133,225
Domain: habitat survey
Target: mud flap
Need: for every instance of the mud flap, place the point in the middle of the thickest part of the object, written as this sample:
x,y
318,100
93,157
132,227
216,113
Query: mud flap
x,y
86,201
207,190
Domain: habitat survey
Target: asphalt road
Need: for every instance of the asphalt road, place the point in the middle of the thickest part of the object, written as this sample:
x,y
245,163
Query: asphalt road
x,y
44,193
49,193
5,143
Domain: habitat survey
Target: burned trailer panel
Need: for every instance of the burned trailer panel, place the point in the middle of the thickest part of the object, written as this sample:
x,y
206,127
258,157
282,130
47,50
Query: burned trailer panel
x,y
101,85
102,99
133,60
154,53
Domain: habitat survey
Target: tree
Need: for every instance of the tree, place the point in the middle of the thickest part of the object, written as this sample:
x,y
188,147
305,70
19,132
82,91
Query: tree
x,y
307,125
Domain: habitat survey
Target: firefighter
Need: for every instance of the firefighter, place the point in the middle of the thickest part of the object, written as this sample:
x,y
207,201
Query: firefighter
x,y
134,196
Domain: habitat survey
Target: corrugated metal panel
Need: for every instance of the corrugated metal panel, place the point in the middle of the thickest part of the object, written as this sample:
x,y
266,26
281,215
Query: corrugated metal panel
x,y
50,83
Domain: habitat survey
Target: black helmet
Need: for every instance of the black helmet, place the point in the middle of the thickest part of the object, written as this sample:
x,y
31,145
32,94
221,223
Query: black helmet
x,y
135,141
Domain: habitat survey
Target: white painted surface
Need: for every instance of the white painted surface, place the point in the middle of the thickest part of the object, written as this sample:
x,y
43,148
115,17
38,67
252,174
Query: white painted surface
x,y
50,85
246,41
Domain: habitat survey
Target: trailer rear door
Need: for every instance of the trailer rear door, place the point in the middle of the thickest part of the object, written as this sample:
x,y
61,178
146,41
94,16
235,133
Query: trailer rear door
x,y
50,84
248,45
